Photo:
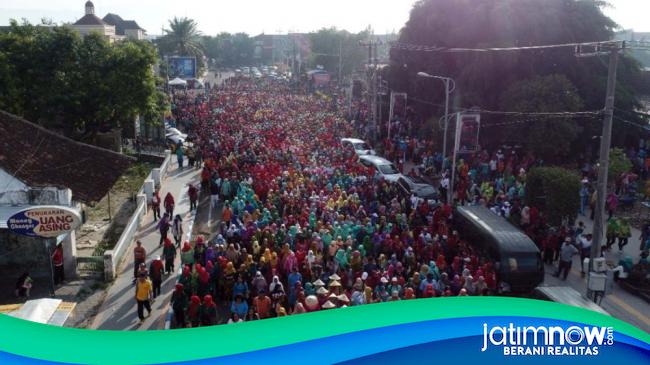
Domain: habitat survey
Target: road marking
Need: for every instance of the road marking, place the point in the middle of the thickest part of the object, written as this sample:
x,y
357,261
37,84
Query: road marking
x,y
619,302
635,313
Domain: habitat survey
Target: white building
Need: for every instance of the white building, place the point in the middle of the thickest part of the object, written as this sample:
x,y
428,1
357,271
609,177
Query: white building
x,y
91,23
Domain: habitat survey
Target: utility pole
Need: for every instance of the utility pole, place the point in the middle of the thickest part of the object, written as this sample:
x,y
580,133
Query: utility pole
x,y
371,74
450,86
605,145
340,61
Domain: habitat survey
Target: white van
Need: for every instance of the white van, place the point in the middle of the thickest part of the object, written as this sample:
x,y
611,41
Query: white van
x,y
383,168
360,147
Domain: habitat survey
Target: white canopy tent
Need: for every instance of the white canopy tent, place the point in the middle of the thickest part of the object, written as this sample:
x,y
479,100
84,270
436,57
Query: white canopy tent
x,y
178,82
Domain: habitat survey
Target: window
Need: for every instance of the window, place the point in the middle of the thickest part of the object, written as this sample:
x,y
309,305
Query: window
x,y
388,169
521,263
361,146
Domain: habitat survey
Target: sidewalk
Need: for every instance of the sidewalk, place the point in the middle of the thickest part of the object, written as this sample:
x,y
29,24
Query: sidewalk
x,y
620,304
118,312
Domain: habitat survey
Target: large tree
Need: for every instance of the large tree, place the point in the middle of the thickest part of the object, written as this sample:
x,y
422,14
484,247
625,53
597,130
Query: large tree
x,y
332,48
182,38
549,138
79,87
229,50
483,77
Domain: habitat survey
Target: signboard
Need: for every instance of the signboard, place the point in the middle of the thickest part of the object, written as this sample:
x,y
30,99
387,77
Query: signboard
x,y
398,106
183,67
397,109
321,79
44,221
469,124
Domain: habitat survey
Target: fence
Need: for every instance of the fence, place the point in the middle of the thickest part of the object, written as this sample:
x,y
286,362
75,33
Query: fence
x,y
112,258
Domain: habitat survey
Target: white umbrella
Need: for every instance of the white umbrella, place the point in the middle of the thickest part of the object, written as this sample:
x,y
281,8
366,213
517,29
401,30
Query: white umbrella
x,y
178,82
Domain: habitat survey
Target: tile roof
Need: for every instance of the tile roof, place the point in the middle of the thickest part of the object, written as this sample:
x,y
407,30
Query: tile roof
x,y
40,158
90,19
120,24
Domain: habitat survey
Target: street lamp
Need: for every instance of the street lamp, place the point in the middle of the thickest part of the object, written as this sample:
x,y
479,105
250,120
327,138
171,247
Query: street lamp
x,y
450,86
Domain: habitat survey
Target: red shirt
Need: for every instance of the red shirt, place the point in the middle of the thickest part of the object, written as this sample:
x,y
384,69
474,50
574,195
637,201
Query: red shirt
x,y
57,257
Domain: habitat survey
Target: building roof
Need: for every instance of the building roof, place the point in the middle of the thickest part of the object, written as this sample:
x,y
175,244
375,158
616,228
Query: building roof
x,y
120,24
42,158
90,19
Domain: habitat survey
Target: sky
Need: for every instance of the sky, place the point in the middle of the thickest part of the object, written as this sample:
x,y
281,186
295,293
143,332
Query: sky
x,y
266,16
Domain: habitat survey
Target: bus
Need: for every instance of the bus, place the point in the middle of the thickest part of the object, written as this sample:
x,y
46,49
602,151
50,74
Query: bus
x,y
518,262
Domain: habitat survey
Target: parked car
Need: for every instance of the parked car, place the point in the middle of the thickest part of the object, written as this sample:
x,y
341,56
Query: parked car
x,y
174,140
359,146
418,187
383,168
175,132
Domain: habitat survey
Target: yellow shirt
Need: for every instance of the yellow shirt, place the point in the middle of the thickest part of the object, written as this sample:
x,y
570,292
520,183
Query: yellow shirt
x,y
143,289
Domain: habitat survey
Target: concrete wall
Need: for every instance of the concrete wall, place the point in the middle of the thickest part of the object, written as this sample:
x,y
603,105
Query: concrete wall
x,y
21,253
10,183
112,258
134,34
15,192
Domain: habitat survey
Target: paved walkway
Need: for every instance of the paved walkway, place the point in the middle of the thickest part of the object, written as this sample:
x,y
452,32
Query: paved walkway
x,y
620,304
118,312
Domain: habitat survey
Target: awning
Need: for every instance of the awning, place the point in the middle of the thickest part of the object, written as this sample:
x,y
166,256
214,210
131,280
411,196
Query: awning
x,y
178,82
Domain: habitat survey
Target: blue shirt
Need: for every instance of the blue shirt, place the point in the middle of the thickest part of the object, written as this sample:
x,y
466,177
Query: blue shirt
x,y
241,309
294,277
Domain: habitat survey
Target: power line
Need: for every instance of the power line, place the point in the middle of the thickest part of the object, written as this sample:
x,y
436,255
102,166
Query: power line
x,y
645,128
425,48
633,112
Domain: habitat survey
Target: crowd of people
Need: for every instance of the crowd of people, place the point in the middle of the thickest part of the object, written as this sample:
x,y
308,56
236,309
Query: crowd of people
x,y
304,226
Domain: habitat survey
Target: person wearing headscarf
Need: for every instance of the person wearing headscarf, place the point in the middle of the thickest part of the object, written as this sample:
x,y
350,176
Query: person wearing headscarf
x,y
299,309
187,255
156,269
259,283
169,204
169,254
481,286
186,281
358,295
194,311
179,304
177,229
203,282
294,278
341,258
208,311
469,285
276,289
240,288
239,306
228,280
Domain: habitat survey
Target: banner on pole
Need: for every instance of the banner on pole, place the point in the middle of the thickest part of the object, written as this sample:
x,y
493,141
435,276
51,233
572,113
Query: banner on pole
x,y
469,126
397,109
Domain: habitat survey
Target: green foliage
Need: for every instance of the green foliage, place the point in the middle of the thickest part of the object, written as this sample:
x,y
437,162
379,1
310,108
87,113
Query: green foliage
x,y
554,191
618,164
229,50
550,138
77,86
182,39
482,78
328,43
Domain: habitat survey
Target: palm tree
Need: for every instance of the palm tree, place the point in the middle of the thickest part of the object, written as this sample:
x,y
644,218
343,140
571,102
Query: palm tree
x,y
182,38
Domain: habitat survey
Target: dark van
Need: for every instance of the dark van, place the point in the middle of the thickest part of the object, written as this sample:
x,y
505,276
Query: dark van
x,y
518,261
